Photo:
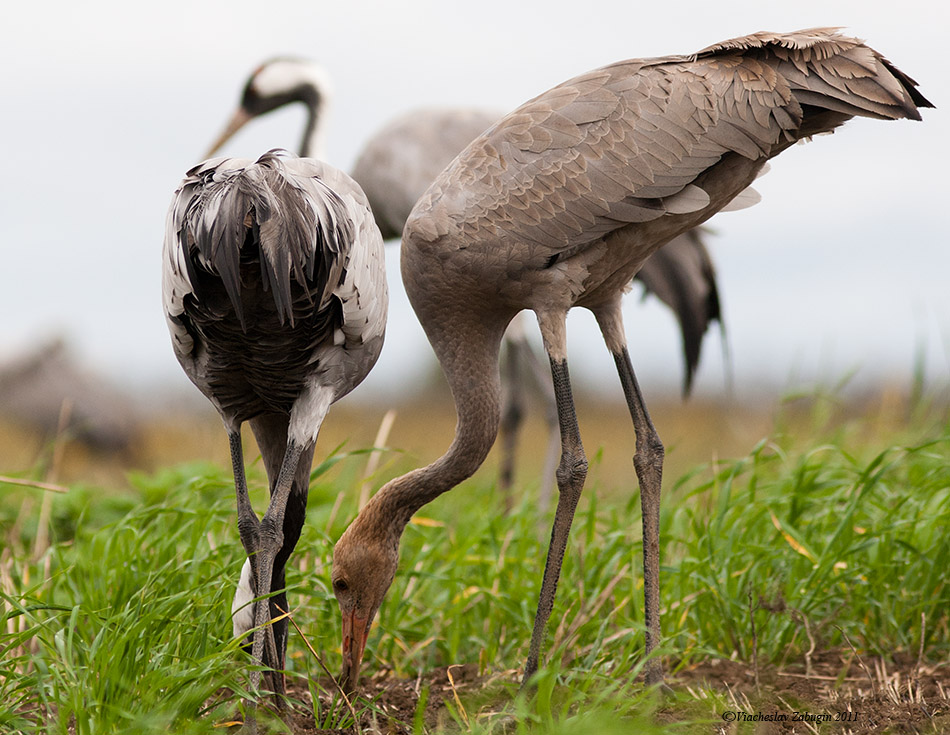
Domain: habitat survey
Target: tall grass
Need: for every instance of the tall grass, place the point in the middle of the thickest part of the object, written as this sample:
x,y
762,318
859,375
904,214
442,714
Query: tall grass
x,y
834,541
829,545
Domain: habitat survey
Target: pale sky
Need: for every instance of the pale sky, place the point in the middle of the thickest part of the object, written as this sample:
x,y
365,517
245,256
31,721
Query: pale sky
x,y
843,266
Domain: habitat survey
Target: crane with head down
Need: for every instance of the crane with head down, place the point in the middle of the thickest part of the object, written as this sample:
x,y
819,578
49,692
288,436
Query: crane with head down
x,y
558,205
275,296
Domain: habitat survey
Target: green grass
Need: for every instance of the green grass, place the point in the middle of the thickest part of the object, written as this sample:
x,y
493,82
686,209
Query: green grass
x,y
839,540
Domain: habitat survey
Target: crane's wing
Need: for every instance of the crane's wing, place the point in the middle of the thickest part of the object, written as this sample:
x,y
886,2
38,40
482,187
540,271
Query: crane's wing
x,y
297,214
625,143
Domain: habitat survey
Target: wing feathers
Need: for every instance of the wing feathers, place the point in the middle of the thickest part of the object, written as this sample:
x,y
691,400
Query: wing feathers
x,y
625,143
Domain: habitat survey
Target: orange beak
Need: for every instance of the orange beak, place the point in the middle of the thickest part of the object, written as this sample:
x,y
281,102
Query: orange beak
x,y
355,631
240,118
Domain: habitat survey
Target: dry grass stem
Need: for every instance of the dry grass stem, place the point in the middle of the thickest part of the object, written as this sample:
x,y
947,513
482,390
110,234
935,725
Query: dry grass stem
x,y
382,436
854,650
319,660
455,696
48,486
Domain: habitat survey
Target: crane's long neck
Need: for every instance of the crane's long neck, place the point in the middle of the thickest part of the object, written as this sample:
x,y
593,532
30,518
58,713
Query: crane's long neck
x,y
313,144
468,352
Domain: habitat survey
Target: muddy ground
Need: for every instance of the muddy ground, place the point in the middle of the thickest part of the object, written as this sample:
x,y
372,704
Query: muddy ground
x,y
839,693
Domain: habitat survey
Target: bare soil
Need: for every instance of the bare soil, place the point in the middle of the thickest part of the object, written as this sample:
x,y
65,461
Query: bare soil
x,y
840,692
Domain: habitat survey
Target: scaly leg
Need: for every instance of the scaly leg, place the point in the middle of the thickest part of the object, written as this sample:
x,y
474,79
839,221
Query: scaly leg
x,y
248,524
648,462
271,542
545,391
249,530
571,474
271,431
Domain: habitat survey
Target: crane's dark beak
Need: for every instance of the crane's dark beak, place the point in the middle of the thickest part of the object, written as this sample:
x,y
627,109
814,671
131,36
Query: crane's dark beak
x,y
238,120
355,631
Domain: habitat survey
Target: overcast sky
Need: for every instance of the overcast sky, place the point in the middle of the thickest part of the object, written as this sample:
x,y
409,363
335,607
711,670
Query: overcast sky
x,y
843,266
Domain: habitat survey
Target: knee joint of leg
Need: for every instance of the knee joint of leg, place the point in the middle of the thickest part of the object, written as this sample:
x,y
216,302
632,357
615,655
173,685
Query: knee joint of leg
x,y
511,418
271,534
572,471
651,452
248,528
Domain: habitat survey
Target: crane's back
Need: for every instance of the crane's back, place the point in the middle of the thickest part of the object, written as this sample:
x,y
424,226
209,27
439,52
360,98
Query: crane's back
x,y
273,280
622,159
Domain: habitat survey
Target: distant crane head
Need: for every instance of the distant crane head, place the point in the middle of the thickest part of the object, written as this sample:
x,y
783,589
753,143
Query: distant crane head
x,y
275,84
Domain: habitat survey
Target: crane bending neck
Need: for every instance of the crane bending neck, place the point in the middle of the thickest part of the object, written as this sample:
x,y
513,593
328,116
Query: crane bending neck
x,y
469,359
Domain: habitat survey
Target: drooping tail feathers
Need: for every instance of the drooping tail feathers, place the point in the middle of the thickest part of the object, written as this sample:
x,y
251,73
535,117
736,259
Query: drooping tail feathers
x,y
273,210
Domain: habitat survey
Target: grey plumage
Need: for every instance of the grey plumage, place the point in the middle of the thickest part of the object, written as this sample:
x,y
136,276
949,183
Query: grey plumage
x,y
628,143
558,205
682,275
397,165
400,161
294,239
275,296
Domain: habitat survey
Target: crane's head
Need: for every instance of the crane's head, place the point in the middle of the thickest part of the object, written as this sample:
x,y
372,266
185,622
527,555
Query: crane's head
x,y
273,84
364,564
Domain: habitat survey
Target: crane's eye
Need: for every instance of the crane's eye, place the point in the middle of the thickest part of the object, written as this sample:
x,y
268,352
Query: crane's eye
x,y
340,585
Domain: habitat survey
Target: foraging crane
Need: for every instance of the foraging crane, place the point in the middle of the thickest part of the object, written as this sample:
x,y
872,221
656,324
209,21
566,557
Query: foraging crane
x,y
558,205
275,295
403,158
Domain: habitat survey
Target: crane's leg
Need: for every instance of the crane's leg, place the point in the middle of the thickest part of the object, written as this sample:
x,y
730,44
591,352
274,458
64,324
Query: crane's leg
x,y
544,389
249,530
271,542
512,414
571,473
275,638
248,524
648,462
306,417
270,430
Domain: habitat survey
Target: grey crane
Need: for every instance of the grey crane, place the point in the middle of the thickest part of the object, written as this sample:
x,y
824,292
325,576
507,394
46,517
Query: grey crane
x,y
275,295
400,161
558,205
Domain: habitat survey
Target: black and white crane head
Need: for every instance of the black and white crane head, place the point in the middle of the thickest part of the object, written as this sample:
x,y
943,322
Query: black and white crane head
x,y
279,82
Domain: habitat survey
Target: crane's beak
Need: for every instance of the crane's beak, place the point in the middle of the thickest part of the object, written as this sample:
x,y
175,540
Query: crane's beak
x,y
238,120
355,631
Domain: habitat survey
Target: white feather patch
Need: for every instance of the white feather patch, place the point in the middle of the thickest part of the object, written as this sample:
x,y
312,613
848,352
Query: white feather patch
x,y
283,75
743,200
691,199
242,611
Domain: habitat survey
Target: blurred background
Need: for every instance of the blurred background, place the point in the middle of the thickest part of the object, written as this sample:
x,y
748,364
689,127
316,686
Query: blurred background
x,y
839,275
